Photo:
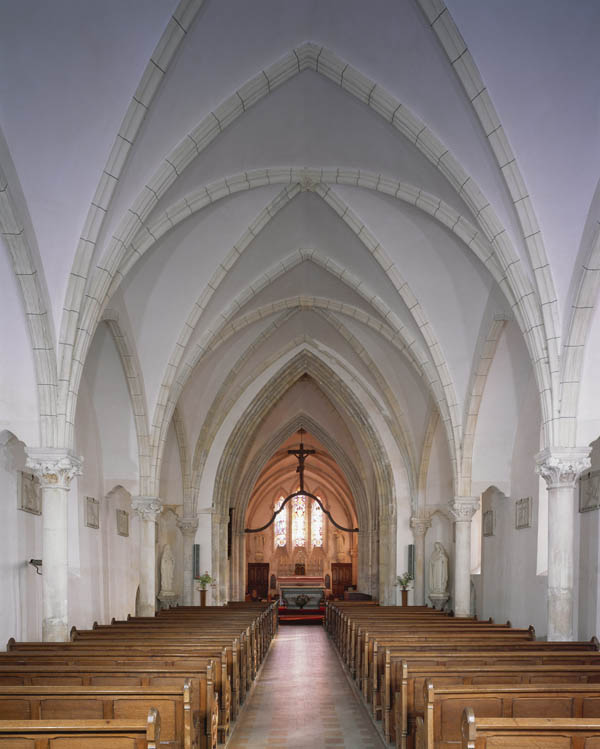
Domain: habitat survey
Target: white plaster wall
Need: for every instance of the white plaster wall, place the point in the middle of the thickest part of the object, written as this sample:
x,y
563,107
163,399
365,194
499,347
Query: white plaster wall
x,y
171,482
511,589
20,541
588,526
123,555
501,410
588,412
18,389
112,407
439,489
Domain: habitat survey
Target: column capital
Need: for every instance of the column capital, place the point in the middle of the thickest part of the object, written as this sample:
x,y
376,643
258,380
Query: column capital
x,y
55,467
148,508
420,525
462,509
562,466
188,526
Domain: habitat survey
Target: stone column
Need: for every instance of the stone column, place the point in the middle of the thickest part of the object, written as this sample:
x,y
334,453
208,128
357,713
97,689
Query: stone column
x,y
560,468
462,510
148,508
55,468
420,526
188,527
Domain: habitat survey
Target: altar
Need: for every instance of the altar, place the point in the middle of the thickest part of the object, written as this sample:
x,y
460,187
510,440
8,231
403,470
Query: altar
x,y
301,598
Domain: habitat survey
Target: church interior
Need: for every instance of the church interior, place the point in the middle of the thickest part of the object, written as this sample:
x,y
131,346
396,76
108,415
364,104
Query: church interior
x,y
303,289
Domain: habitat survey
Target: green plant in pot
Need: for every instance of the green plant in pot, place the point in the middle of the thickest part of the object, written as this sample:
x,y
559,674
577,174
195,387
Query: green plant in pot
x,y
404,580
205,580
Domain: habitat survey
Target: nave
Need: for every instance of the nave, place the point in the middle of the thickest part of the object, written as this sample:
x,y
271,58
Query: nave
x,y
302,698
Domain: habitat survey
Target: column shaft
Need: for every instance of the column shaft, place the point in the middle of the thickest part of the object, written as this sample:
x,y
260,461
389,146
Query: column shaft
x,y
55,468
463,509
560,468
148,508
420,525
188,527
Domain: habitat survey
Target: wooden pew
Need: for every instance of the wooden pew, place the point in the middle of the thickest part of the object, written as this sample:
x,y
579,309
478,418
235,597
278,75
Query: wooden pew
x,y
528,733
440,726
408,702
204,705
82,734
100,703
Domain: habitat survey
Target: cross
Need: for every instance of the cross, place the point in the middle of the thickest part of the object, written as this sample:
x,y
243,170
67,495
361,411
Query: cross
x,y
301,454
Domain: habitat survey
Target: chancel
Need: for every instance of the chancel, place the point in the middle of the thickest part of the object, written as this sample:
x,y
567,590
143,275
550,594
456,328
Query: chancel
x,y
298,317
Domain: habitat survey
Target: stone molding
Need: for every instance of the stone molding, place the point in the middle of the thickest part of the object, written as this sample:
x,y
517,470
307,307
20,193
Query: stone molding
x,y
148,508
562,466
188,526
462,509
420,525
54,467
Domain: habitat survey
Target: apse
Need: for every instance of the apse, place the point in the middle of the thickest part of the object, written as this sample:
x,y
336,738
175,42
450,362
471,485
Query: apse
x,y
291,533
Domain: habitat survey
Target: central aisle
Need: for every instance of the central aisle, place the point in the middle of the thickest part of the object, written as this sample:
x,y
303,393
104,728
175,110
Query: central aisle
x,y
302,699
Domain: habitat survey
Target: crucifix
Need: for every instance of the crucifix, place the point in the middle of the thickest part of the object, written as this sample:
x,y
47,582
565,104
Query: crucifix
x,y
301,454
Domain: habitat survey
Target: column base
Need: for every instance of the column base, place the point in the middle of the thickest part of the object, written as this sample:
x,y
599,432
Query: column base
x,y
55,630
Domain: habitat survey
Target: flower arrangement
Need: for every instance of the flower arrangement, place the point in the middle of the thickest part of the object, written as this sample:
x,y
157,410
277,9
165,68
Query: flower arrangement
x,y
205,580
404,580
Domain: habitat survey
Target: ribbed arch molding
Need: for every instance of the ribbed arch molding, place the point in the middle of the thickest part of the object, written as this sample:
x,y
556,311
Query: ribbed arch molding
x,y
429,360
228,396
309,56
464,66
36,307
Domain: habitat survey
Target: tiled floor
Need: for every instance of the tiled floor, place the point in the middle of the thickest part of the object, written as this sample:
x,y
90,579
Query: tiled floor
x,y
302,699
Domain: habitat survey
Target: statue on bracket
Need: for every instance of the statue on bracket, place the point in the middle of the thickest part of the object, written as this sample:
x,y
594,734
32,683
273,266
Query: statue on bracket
x,y
167,570
438,576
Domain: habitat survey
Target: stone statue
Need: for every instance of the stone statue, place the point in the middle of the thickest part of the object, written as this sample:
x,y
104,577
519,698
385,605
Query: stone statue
x,y
167,569
438,570
259,547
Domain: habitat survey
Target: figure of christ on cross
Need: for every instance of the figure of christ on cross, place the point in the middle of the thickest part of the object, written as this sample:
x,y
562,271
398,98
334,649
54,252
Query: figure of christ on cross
x,y
301,454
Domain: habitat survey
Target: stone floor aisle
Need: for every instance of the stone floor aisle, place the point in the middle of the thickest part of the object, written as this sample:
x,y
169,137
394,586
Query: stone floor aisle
x,y
302,699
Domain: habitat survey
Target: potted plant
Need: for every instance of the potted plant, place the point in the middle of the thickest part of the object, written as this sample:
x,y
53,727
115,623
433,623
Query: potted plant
x,y
203,581
404,581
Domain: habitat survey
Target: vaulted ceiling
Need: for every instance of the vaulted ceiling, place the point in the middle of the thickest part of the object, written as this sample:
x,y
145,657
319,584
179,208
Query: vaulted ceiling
x,y
379,187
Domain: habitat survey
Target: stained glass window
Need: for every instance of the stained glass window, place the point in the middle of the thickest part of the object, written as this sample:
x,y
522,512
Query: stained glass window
x,y
316,524
298,520
280,524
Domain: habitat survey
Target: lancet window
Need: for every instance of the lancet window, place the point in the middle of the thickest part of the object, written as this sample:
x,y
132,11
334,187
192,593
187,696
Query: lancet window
x,y
280,525
316,524
299,521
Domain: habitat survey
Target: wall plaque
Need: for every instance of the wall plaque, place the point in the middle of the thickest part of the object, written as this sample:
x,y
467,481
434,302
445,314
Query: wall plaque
x,y
589,491
92,512
523,513
29,493
122,523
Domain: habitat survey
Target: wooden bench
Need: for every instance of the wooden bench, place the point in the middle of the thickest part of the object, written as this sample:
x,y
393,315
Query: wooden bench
x,y
101,703
204,700
82,734
440,725
529,733
408,702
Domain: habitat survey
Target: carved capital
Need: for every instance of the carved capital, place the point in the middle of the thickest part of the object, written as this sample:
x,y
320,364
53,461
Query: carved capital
x,y
462,509
420,525
148,508
562,466
188,526
54,467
